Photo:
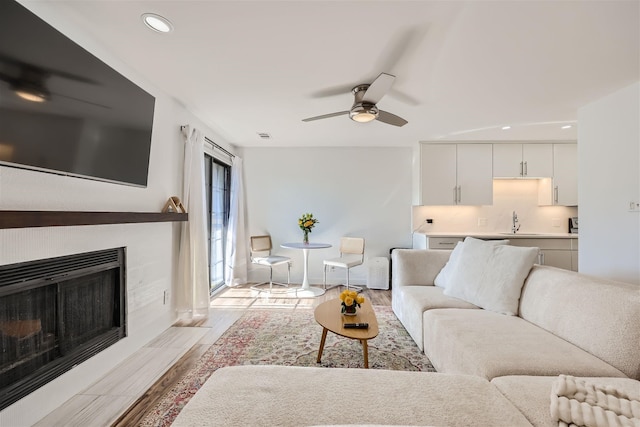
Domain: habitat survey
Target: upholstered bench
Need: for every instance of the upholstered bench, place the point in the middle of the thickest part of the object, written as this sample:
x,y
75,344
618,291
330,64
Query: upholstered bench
x,y
297,396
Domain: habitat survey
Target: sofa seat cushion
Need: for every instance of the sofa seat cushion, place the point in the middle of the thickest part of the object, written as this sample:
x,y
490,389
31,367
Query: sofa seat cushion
x,y
297,396
412,301
489,345
531,395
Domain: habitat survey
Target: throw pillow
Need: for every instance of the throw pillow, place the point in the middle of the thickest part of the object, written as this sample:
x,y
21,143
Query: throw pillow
x,y
491,276
442,279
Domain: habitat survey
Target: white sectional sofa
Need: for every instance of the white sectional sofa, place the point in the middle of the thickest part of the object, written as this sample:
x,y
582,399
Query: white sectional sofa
x,y
494,369
567,323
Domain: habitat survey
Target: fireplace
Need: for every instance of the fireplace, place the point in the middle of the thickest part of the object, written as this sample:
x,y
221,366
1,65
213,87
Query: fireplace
x,y
56,313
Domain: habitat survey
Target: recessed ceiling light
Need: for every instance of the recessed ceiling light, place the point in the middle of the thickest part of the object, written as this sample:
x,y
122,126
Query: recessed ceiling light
x,y
566,127
506,127
157,23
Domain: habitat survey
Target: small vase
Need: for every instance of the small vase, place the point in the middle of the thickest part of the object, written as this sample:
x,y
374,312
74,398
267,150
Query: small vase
x,y
349,310
305,237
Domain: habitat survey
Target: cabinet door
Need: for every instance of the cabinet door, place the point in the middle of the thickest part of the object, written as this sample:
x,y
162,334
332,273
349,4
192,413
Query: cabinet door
x,y
438,174
556,258
507,160
447,243
565,174
538,160
475,177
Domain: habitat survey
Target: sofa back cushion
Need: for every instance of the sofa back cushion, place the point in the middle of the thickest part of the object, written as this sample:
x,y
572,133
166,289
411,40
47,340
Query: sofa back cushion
x,y
491,276
598,315
442,279
412,267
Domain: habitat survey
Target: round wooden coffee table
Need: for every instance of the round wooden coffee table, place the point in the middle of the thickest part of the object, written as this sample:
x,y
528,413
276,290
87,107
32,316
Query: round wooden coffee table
x,y
329,317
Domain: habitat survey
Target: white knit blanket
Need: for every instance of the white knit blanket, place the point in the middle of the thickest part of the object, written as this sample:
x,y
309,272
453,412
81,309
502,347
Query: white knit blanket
x,y
575,402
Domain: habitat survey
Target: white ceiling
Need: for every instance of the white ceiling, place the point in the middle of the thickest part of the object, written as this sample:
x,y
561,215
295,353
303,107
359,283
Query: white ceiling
x,y
464,69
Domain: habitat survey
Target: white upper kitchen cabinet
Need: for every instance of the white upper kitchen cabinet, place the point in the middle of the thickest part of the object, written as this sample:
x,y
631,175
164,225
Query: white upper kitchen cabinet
x,y
456,174
522,160
565,174
562,188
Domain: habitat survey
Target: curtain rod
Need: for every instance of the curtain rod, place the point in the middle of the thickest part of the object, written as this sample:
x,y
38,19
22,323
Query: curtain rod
x,y
214,144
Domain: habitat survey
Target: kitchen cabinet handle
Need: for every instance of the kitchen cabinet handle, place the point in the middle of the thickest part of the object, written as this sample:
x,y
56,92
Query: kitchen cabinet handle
x,y
459,194
521,168
555,194
526,169
447,243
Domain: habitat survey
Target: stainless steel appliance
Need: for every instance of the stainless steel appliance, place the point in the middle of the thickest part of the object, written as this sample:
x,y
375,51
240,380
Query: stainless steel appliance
x,y
573,225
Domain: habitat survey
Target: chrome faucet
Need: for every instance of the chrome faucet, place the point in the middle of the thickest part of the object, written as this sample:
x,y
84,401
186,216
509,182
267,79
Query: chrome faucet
x,y
515,227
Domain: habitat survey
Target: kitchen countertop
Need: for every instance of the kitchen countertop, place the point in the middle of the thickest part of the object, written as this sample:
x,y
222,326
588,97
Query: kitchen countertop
x,y
501,235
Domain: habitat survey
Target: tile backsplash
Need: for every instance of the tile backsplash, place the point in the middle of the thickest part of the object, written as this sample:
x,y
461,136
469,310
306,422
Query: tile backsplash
x,y
520,195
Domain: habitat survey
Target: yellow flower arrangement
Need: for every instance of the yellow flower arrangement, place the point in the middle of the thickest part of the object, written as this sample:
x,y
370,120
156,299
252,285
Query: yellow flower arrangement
x,y
350,299
306,222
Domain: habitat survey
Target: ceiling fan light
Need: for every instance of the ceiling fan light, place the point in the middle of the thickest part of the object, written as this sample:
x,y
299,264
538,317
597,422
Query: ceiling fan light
x,y
31,93
363,117
363,113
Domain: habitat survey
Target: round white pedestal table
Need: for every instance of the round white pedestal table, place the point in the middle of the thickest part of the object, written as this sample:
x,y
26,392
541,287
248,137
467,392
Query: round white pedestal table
x,y
306,290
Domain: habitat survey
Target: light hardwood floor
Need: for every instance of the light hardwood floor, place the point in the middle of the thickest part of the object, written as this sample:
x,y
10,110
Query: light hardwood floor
x,y
123,396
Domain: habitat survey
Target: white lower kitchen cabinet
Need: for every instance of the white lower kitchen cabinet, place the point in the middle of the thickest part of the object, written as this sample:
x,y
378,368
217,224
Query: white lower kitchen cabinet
x,y
555,258
554,252
561,252
421,241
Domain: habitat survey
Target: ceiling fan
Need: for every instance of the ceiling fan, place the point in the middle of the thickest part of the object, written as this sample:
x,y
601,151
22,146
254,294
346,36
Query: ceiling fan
x,y
364,108
29,81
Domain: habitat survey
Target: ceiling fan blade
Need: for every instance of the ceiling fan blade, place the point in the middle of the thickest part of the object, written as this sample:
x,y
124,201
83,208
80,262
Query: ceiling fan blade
x,y
391,119
333,91
378,88
25,67
82,100
325,116
404,97
400,50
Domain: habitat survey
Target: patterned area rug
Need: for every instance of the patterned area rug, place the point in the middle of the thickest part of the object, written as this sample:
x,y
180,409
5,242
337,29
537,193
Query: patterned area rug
x,y
290,338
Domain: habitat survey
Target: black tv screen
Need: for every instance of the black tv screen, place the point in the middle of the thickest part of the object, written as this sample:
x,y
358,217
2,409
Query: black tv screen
x,y
82,117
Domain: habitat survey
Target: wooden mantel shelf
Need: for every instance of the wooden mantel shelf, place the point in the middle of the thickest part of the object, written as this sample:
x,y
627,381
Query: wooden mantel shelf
x,y
26,219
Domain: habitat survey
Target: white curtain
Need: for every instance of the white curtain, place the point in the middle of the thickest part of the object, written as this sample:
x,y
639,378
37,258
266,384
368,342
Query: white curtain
x,y
237,252
193,268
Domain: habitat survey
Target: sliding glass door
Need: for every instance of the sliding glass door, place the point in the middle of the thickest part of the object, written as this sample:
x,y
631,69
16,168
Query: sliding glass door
x,y
217,185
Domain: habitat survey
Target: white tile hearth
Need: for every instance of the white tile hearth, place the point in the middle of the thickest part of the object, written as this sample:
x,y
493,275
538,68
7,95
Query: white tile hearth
x,y
107,399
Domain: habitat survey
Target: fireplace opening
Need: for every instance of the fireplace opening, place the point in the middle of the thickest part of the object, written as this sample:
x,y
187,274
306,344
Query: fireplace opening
x,y
56,313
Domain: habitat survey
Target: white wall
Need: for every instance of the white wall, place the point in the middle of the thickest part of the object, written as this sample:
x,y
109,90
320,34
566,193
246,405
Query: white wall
x,y
520,195
362,192
151,248
609,164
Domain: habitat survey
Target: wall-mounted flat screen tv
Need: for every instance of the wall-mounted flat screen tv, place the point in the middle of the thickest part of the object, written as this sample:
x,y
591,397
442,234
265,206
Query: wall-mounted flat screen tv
x,y
64,111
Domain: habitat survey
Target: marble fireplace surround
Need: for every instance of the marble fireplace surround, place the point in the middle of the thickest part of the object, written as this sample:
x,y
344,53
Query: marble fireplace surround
x,y
151,240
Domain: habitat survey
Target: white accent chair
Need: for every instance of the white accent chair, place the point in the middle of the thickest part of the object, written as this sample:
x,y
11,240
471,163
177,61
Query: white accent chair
x,y
351,255
261,255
